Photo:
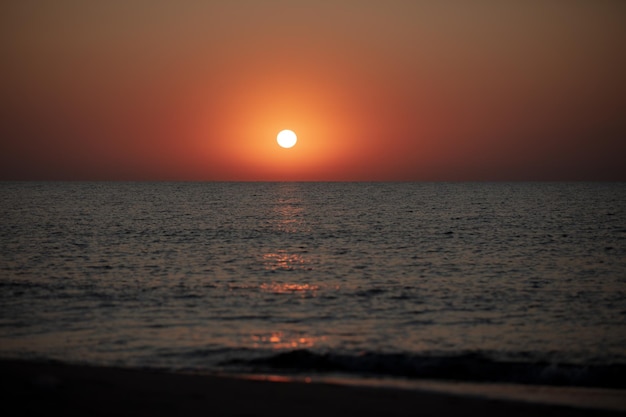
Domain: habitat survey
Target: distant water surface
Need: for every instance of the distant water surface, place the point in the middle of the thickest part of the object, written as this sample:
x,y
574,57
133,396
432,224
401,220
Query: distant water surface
x,y
514,282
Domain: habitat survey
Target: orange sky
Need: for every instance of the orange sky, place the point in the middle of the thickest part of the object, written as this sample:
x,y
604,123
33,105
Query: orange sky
x,y
375,90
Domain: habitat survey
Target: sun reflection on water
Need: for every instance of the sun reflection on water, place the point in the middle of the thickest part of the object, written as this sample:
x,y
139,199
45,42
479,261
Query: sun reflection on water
x,y
288,212
289,218
280,340
284,261
288,288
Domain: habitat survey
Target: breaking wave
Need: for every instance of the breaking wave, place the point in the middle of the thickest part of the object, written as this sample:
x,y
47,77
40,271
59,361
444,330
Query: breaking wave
x,y
474,367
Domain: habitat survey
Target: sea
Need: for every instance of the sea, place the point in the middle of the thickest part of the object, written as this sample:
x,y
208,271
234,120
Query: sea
x,y
498,282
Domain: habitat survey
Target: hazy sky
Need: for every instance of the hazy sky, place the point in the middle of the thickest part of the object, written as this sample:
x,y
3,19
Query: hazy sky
x,y
375,90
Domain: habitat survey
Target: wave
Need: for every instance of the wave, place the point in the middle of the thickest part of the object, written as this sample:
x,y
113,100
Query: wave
x,y
474,367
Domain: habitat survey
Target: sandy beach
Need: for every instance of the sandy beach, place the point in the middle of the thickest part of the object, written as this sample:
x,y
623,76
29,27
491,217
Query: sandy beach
x,y
55,389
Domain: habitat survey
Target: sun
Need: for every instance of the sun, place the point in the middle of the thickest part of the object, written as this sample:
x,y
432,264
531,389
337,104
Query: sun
x,y
286,138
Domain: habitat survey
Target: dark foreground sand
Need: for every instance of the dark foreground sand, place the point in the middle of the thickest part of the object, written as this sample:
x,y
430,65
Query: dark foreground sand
x,y
53,389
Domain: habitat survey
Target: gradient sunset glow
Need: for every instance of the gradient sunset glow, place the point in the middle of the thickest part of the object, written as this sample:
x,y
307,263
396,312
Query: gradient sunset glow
x,y
397,90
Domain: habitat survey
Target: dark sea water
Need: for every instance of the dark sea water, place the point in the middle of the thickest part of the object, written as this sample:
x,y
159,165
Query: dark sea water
x,y
505,282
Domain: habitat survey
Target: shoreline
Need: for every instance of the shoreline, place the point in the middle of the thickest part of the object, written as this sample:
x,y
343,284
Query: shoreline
x,y
55,388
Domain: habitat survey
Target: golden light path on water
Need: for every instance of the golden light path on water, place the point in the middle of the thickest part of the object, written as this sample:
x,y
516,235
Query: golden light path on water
x,y
284,260
282,340
288,217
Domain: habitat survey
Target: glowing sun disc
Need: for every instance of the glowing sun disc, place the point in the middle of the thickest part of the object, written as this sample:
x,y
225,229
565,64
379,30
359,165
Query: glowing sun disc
x,y
286,138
